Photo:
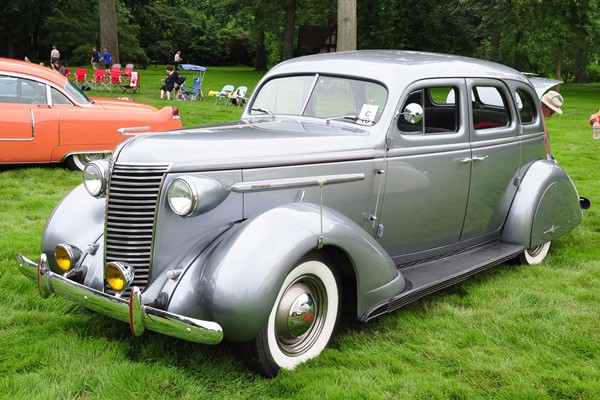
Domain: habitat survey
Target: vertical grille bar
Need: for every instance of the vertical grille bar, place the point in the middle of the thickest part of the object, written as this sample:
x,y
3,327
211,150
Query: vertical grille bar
x,y
131,206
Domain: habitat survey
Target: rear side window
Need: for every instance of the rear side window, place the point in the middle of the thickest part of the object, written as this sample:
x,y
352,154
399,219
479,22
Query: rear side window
x,y
526,106
440,111
21,91
490,108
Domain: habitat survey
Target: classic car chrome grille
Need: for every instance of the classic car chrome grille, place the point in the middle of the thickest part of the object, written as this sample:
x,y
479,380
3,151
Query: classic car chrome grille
x,y
131,205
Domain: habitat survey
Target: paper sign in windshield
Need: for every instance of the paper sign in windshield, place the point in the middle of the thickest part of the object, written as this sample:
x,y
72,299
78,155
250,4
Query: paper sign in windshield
x,y
367,114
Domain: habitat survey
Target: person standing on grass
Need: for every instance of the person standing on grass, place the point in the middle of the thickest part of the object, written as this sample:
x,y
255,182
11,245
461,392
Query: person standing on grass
x,y
54,55
95,60
551,104
177,60
106,57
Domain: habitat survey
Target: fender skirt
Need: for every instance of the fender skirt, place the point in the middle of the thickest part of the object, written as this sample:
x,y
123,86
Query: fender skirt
x,y
545,207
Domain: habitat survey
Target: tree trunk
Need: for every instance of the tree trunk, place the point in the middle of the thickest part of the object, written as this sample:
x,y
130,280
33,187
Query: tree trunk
x,y
290,29
261,54
108,28
346,31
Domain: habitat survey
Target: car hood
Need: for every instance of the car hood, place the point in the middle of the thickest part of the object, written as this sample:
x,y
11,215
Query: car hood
x,y
121,104
249,145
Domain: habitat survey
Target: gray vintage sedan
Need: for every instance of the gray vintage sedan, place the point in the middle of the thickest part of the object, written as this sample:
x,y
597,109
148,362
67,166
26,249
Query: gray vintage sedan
x,y
367,179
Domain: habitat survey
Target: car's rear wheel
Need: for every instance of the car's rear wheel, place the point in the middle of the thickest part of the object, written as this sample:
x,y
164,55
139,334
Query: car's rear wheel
x,y
535,255
77,162
302,320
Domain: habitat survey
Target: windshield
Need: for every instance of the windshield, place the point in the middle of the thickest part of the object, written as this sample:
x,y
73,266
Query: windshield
x,y
329,97
77,93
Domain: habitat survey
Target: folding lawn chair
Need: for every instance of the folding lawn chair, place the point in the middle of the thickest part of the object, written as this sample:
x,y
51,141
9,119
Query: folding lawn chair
x,y
115,79
238,97
81,77
128,70
98,80
192,92
134,83
224,93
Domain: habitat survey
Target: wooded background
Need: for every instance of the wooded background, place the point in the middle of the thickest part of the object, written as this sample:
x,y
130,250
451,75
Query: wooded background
x,y
553,38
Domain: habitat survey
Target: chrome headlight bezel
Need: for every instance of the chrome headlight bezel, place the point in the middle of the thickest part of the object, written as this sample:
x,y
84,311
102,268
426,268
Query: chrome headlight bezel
x,y
67,256
125,273
95,178
192,195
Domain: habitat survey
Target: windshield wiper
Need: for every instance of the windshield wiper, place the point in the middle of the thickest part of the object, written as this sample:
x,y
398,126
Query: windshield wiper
x,y
350,117
262,110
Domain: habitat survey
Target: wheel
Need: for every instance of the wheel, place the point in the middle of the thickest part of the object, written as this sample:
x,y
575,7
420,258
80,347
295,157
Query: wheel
x,y
77,162
535,255
302,320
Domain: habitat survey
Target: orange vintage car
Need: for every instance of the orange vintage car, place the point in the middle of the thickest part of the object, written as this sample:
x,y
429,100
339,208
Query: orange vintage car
x,y
45,118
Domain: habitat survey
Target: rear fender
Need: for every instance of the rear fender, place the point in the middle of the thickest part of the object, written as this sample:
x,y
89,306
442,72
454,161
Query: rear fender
x,y
244,272
545,207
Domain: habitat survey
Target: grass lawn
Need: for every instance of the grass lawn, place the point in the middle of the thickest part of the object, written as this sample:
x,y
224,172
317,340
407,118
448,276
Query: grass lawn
x,y
513,332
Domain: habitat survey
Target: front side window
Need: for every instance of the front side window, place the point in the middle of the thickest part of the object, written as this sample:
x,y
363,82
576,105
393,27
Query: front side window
x,y
328,97
440,111
59,99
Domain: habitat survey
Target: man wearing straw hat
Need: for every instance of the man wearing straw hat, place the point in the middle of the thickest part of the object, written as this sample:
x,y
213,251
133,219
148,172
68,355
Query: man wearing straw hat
x,y
551,103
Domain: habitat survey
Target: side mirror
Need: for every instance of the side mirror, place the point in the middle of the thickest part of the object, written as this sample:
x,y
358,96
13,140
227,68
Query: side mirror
x,y
413,113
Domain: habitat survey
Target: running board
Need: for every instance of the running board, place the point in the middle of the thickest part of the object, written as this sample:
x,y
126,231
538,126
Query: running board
x,y
429,277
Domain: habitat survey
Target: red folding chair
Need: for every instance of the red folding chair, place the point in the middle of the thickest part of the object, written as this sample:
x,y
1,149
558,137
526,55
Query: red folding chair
x,y
99,80
81,76
134,83
128,70
115,78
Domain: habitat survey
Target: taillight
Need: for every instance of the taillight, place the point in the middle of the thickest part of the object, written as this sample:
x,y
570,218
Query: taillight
x,y
175,113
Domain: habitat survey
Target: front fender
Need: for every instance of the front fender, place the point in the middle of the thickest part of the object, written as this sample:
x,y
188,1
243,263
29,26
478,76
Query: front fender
x,y
545,207
78,220
245,271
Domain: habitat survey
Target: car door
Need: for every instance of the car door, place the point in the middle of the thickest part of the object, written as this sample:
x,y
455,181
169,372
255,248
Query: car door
x,y
426,179
496,157
29,125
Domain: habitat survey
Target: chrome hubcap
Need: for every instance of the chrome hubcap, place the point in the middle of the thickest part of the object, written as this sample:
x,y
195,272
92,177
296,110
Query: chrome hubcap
x,y
88,157
299,318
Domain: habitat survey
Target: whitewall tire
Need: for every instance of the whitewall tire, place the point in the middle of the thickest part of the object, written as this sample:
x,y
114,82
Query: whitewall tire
x,y
535,255
302,320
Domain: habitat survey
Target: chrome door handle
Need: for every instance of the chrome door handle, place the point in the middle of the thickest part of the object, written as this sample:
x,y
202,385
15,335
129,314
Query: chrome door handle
x,y
476,158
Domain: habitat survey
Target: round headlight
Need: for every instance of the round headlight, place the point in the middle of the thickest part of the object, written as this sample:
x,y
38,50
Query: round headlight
x,y
118,276
193,195
66,256
182,196
95,176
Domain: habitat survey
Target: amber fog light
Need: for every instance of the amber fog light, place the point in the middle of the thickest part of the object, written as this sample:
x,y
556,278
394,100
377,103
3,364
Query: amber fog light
x,y
118,276
66,256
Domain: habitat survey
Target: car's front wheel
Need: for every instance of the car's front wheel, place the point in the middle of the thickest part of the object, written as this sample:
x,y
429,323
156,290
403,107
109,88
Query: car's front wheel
x,y
77,162
302,320
535,255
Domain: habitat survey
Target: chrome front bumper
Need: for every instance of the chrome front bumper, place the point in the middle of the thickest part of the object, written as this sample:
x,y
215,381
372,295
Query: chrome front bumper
x,y
139,316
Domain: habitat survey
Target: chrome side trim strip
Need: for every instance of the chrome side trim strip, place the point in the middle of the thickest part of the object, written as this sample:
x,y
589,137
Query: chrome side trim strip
x,y
277,184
